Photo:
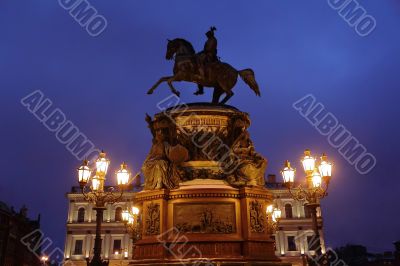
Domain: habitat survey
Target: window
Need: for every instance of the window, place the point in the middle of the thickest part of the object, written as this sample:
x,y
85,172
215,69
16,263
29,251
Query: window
x,y
118,214
78,247
117,246
288,211
81,215
291,243
307,212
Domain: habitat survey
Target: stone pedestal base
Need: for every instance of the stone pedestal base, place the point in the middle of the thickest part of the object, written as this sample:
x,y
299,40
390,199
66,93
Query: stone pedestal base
x,y
205,222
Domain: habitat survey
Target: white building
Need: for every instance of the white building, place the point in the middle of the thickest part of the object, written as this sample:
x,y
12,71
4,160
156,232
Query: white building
x,y
81,226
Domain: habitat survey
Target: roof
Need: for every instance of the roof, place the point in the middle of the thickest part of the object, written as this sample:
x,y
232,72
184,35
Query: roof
x,y
4,207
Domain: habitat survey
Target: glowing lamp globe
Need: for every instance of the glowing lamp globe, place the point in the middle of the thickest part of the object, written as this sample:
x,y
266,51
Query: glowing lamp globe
x,y
135,210
316,179
276,215
96,183
288,173
102,163
84,173
125,215
270,209
325,167
308,161
123,175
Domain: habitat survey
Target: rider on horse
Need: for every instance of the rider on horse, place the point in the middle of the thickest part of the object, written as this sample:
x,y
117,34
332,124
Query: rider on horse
x,y
210,47
208,55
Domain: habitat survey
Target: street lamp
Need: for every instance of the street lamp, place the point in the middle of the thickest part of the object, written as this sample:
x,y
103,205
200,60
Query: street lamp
x,y
318,179
274,214
44,259
132,223
94,191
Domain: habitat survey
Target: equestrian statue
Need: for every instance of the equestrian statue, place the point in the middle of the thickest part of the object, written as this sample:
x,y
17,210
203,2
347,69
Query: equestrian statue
x,y
205,69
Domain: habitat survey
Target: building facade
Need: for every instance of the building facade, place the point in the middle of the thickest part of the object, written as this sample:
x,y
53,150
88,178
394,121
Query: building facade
x,y
81,226
14,226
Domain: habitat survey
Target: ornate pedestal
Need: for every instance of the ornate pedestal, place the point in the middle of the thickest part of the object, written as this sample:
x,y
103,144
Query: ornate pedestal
x,y
204,201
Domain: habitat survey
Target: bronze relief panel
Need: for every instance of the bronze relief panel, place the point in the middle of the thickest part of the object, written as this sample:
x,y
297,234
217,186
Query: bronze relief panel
x,y
205,218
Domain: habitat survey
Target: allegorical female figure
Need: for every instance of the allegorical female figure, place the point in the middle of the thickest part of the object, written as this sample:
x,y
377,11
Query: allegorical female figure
x,y
159,169
251,165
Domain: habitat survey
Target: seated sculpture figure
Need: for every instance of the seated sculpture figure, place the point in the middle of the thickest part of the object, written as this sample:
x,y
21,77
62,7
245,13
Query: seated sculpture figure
x,y
251,165
158,169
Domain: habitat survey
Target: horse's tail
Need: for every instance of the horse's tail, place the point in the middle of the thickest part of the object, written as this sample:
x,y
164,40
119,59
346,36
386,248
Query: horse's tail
x,y
247,75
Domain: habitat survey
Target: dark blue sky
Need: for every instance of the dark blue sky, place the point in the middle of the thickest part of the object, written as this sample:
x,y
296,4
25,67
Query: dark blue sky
x,y
294,47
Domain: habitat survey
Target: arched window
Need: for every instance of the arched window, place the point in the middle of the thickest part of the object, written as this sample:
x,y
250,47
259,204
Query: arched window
x,y
118,214
288,211
307,212
81,215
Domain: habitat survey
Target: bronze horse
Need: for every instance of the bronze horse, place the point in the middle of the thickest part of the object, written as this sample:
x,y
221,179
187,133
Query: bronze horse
x,y
218,75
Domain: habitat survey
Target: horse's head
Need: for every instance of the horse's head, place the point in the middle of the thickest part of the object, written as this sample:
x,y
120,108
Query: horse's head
x,y
172,47
180,46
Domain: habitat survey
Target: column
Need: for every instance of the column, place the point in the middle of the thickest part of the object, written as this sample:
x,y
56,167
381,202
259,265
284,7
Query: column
x,y
107,245
68,246
70,211
88,245
90,212
108,212
281,236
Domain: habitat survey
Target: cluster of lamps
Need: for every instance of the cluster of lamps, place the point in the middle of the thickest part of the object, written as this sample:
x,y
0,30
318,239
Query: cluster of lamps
x,y
97,181
94,190
317,175
274,214
132,222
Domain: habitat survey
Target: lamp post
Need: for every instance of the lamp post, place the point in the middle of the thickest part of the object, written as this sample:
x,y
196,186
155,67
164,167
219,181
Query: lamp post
x,y
318,179
131,219
94,191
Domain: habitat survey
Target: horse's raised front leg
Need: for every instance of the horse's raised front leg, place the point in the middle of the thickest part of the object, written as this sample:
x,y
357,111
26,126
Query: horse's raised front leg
x,y
177,77
173,90
161,80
